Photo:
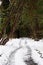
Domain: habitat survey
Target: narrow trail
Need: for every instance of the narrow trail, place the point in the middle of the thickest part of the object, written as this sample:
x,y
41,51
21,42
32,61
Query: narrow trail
x,y
21,52
21,56
17,57
11,60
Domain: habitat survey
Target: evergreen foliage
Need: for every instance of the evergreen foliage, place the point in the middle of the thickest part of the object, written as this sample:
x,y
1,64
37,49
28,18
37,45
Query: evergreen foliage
x,y
22,18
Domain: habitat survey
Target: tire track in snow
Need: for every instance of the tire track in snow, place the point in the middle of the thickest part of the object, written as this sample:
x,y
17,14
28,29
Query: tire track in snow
x,y
12,57
39,53
21,56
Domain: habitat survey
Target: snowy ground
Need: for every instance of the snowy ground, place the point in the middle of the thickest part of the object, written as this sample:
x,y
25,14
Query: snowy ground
x,y
17,51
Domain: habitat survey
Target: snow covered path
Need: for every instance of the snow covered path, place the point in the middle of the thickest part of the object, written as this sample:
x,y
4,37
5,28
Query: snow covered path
x,y
17,51
19,55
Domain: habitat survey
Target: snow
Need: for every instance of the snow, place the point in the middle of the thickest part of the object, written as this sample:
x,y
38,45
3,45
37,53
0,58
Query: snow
x,y
23,55
17,51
